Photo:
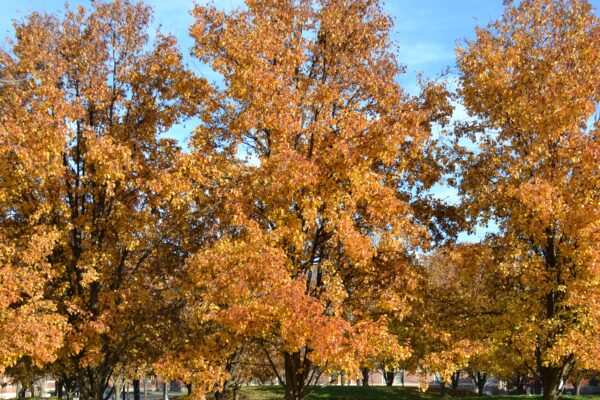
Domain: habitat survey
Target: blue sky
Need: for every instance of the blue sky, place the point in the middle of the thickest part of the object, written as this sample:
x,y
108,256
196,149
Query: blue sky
x,y
426,32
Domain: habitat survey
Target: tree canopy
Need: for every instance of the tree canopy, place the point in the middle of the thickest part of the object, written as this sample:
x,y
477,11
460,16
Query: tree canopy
x,y
296,233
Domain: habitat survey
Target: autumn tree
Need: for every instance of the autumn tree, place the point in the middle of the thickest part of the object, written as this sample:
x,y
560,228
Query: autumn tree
x,y
24,375
457,323
30,326
88,184
479,371
325,152
531,79
575,378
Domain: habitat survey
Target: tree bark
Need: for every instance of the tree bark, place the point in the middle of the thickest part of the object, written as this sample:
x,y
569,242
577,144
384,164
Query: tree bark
x,y
189,388
117,389
455,379
230,368
59,388
297,368
93,382
165,391
480,380
389,377
552,377
402,378
136,390
236,391
220,394
519,383
20,390
365,374
442,388
69,389
537,384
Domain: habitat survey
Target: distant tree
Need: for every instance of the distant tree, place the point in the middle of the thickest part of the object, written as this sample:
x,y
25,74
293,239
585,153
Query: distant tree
x,y
461,317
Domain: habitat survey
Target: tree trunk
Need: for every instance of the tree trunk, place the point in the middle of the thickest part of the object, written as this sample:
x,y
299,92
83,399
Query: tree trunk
x,y
520,384
230,367
342,379
165,391
365,374
389,377
59,388
297,368
20,390
236,391
551,379
455,379
402,378
550,388
145,388
220,394
480,388
69,389
136,390
188,387
480,381
92,383
117,389
537,384
442,388
577,386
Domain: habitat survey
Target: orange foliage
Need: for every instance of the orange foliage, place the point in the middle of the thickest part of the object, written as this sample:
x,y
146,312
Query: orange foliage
x,y
86,182
531,78
319,145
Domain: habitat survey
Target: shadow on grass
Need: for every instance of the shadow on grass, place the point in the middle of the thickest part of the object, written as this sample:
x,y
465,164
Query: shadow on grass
x,y
378,393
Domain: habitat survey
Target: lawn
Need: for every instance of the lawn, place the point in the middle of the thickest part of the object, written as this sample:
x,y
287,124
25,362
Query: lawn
x,y
337,393
373,393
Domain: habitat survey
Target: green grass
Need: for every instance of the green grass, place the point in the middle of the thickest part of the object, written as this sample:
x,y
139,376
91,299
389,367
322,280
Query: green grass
x,y
526,397
375,393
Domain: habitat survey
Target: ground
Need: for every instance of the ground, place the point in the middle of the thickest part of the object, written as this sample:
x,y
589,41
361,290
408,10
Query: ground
x,y
374,393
